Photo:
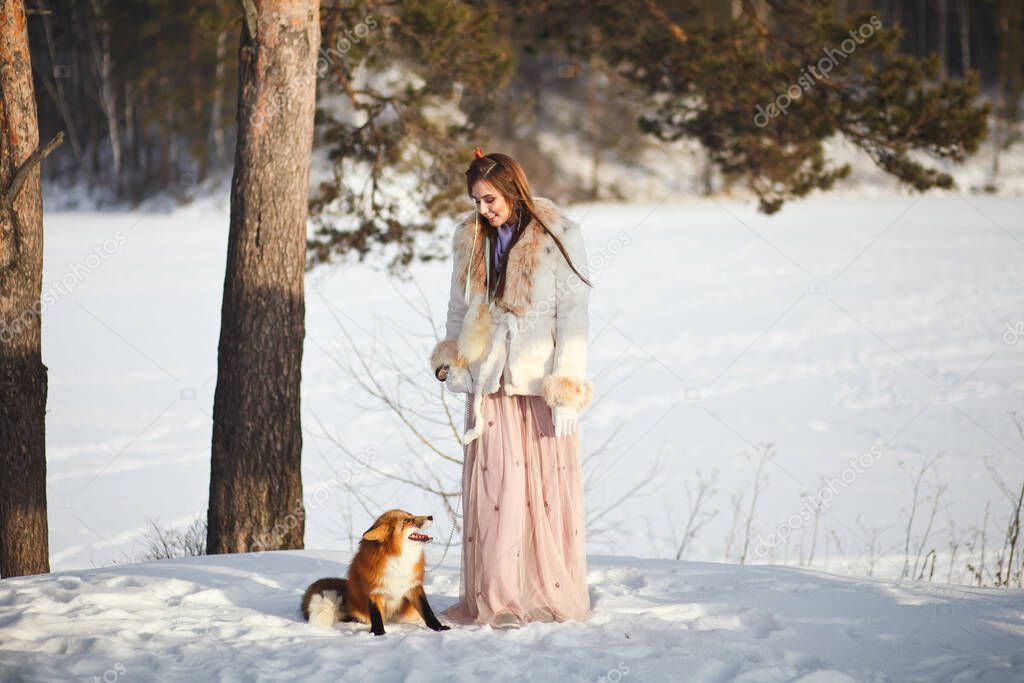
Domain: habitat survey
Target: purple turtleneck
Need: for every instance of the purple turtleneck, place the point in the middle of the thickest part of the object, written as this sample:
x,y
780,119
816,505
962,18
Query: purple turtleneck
x,y
505,233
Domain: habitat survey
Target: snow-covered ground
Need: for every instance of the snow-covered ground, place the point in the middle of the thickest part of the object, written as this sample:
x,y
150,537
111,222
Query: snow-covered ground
x,y
237,618
888,330
883,330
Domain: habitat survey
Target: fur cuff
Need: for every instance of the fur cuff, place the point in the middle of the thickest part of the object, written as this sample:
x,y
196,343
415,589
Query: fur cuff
x,y
559,390
446,353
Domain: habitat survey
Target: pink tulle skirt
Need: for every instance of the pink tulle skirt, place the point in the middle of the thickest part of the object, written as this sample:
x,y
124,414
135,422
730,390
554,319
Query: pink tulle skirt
x,y
523,534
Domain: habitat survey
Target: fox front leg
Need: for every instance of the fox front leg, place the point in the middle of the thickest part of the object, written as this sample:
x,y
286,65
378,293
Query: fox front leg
x,y
428,614
376,620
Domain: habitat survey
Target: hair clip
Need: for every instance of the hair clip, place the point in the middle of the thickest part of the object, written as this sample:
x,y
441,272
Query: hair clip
x,y
478,153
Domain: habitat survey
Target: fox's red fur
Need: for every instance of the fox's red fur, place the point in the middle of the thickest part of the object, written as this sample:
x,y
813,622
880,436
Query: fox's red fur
x,y
384,581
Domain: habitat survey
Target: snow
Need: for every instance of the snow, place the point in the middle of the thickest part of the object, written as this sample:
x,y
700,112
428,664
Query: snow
x,y
237,618
883,330
839,326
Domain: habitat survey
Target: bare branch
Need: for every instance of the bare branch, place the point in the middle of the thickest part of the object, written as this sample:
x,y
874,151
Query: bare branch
x,y
37,156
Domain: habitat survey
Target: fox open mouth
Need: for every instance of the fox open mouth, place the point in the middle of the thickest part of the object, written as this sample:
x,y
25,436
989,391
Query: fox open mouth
x,y
417,536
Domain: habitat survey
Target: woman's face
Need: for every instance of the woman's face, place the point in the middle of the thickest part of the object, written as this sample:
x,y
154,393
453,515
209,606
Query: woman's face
x,y
490,204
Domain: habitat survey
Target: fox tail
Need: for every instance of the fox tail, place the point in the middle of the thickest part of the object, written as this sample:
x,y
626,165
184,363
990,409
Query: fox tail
x,y
323,602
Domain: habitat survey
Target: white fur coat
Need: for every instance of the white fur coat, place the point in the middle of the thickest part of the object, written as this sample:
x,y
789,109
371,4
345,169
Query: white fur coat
x,y
539,325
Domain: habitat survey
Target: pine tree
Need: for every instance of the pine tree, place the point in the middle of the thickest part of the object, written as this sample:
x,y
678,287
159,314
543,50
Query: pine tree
x,y
452,56
255,475
762,89
24,537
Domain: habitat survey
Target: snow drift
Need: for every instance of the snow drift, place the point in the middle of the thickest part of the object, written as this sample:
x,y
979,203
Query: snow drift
x,y
237,618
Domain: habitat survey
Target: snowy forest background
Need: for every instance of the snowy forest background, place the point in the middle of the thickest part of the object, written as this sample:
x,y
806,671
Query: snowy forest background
x,y
756,334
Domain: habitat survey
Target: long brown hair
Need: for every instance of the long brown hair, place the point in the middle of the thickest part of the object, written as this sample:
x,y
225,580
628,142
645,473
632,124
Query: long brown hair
x,y
509,179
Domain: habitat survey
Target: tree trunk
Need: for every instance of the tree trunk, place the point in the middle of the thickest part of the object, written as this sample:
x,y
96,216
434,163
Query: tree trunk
x,y
1003,66
593,124
922,28
965,37
255,475
24,537
172,148
216,130
201,152
130,143
942,11
54,82
101,56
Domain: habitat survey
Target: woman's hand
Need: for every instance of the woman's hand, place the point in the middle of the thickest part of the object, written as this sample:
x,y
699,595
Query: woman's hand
x,y
564,419
457,379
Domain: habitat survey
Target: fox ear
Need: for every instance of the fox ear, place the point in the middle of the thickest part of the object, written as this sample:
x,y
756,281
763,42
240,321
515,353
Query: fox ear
x,y
378,533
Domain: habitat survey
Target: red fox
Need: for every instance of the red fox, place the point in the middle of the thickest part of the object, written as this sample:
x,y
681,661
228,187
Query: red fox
x,y
385,579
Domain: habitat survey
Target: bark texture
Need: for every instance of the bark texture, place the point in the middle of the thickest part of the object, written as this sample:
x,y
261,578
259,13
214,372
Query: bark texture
x,y
24,537
255,478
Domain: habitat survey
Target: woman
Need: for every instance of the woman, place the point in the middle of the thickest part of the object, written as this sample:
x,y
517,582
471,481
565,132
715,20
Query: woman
x,y
516,344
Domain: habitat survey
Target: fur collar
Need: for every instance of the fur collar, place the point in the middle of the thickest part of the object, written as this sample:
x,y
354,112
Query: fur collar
x,y
522,257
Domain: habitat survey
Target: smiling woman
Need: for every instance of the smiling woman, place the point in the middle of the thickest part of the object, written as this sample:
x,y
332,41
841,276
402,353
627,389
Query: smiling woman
x,y
492,205
515,343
